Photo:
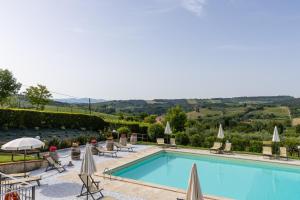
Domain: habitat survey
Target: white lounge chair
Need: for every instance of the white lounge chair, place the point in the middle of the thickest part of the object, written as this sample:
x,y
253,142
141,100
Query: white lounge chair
x,y
216,147
267,151
119,146
90,187
102,151
52,164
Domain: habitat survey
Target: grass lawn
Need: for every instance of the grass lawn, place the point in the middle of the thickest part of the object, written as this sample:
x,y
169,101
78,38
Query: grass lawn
x,y
280,111
6,157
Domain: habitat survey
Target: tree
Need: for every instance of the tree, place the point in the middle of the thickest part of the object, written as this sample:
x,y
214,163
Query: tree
x,y
155,131
298,128
177,118
8,85
150,119
38,95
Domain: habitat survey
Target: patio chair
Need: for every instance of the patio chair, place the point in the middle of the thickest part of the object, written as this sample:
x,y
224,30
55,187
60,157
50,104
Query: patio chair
x,y
90,187
283,153
227,148
216,148
267,151
173,142
22,180
54,165
119,146
160,141
102,151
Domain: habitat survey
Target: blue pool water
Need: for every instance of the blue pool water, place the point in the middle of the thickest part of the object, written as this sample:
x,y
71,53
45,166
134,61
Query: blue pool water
x,y
231,178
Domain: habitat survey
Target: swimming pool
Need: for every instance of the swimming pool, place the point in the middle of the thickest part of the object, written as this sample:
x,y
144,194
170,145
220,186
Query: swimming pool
x,y
219,176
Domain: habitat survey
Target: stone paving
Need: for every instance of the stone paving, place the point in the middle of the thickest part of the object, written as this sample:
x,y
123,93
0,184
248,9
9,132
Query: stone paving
x,y
67,185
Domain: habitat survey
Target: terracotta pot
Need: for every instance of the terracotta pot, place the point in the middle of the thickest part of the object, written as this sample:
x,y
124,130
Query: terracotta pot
x,y
94,150
123,139
75,152
109,144
133,138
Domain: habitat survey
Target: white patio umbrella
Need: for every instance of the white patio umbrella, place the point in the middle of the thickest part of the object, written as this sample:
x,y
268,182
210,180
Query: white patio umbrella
x,y
275,135
275,138
168,130
88,166
25,143
194,190
221,132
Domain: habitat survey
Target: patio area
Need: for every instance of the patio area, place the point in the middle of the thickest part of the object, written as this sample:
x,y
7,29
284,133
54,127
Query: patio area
x,y
67,185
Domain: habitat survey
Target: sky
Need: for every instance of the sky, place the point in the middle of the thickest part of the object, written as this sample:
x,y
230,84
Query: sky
x,y
147,49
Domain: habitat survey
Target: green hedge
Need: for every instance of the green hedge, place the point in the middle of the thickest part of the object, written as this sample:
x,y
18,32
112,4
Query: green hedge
x,y
135,127
20,118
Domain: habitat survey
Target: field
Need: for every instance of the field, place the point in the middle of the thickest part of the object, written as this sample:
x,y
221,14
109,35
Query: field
x,y
80,110
248,113
6,157
296,121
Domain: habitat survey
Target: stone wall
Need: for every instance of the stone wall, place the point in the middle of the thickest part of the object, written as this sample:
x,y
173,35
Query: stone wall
x,y
18,167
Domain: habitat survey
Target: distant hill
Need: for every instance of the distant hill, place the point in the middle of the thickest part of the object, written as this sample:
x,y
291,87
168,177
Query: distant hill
x,y
79,100
160,106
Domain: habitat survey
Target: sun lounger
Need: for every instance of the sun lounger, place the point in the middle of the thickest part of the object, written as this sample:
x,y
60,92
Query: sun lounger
x,y
227,148
54,165
160,141
216,147
173,142
267,151
119,146
102,151
283,153
26,174
90,187
17,175
22,180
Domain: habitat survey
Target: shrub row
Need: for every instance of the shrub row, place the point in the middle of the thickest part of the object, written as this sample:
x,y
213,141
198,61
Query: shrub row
x,y
20,118
240,142
135,127
67,142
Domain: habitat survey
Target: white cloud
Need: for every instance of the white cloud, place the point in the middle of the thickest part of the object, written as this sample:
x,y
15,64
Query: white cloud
x,y
194,6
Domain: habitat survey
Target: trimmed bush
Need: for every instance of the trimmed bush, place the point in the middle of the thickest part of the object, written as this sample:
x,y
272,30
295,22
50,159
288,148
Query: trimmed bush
x,y
182,138
124,130
135,127
239,143
196,140
20,118
298,129
255,146
155,131
209,140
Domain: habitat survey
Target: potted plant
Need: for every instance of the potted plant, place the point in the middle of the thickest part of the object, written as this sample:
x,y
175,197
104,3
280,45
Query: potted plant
x,y
94,145
53,152
110,142
124,131
133,138
75,151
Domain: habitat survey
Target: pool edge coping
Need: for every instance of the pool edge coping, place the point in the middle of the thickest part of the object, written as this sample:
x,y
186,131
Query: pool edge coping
x,y
187,151
147,184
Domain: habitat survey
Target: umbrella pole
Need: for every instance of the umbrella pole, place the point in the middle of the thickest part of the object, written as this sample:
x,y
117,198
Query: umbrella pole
x,y
87,196
24,163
